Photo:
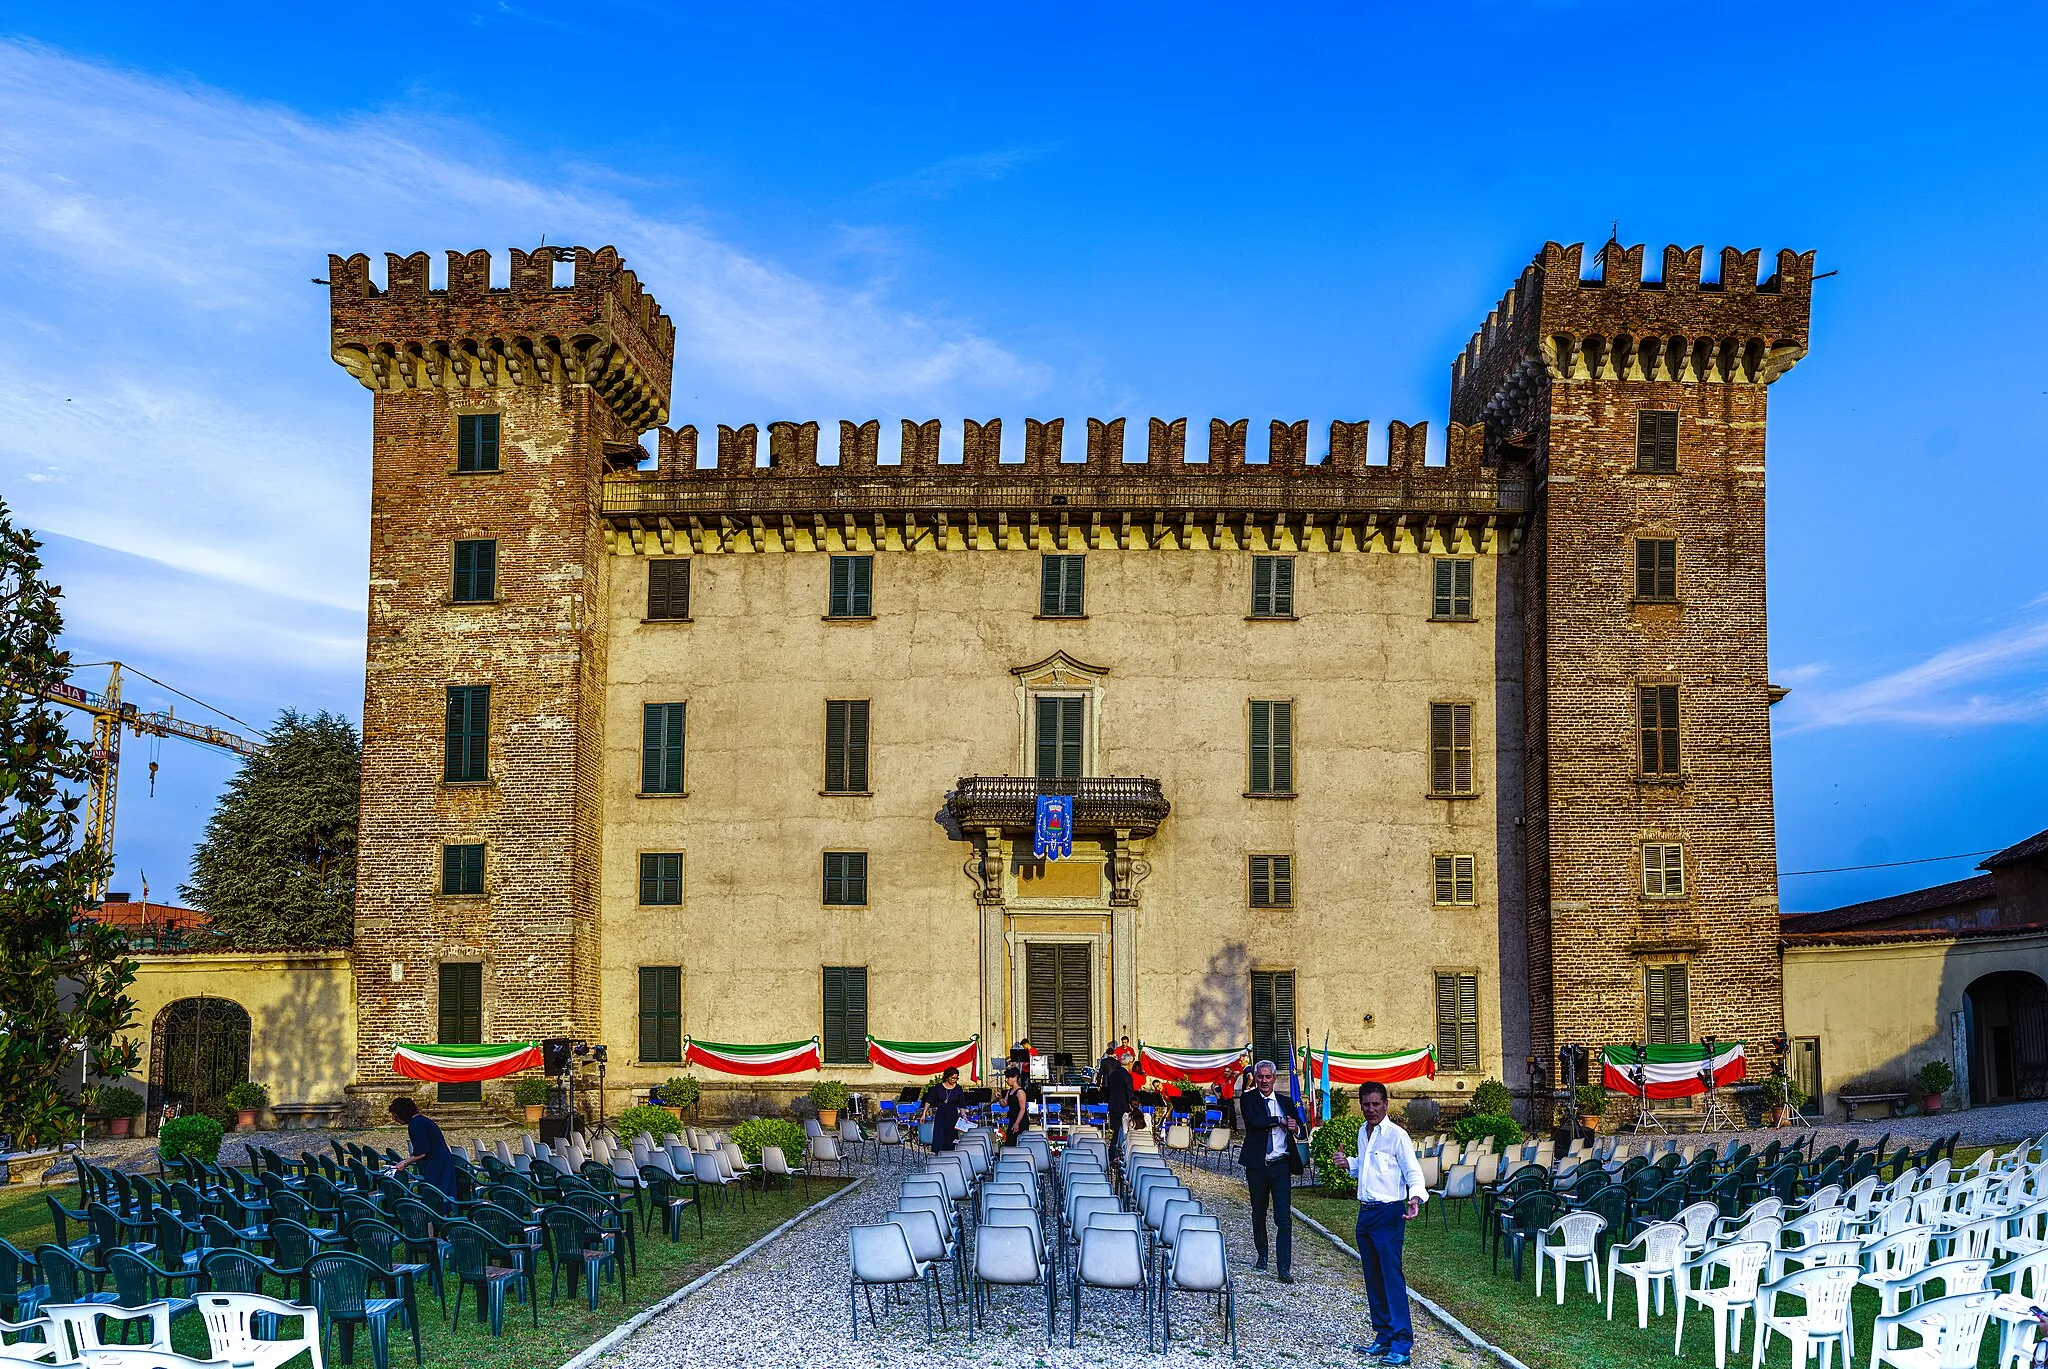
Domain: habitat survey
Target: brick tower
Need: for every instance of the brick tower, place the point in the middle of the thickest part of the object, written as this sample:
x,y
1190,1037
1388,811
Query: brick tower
x,y
1637,409
497,412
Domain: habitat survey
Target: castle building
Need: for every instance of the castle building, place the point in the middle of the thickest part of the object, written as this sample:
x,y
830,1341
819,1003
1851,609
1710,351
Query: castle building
x,y
745,745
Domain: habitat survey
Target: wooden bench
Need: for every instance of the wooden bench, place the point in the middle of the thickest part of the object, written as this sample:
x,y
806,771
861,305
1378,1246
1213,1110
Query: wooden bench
x,y
1852,1101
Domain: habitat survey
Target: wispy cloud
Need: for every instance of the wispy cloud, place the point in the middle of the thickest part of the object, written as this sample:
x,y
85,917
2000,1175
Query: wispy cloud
x,y
1992,678
164,385
942,178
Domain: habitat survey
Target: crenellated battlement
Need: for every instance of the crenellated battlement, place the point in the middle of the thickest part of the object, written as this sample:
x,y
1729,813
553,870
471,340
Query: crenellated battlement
x,y
1560,325
792,451
784,497
599,327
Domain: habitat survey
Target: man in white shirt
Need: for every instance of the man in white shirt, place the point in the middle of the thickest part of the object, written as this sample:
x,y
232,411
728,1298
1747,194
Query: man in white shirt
x,y
1390,1195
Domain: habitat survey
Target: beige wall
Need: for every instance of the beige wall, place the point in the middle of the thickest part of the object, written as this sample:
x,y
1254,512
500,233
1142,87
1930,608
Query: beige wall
x,y
756,664
1882,1011
301,1006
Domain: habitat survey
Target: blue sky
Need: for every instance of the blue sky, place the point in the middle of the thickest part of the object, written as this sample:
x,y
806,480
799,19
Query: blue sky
x,y
858,211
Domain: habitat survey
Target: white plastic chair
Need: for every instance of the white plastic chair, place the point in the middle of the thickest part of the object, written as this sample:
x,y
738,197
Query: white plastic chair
x,y
1894,1257
1661,1248
1571,1239
1818,1255
882,1255
1951,1332
1743,1262
1822,1326
1961,1275
230,1320
78,1325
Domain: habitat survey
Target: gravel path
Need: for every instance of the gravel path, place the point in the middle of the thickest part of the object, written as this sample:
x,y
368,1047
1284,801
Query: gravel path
x,y
793,1295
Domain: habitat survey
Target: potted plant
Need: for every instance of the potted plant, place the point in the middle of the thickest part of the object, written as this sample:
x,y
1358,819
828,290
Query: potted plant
x,y
1592,1103
531,1093
120,1106
1783,1094
1934,1079
829,1096
247,1099
680,1094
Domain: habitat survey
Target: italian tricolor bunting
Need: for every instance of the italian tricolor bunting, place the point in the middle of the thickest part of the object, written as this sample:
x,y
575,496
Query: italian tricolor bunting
x,y
464,1064
1390,1068
1670,1071
1204,1067
785,1057
927,1057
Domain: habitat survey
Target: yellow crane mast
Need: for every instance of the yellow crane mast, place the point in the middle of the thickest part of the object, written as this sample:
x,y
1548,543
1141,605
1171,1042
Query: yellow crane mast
x,y
109,716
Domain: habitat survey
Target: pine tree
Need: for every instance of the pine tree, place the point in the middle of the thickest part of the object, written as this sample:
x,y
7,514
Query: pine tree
x,y
45,880
277,866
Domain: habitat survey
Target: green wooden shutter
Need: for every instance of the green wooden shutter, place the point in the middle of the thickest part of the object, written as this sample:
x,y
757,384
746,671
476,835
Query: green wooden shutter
x,y
1060,587
1667,704
1070,738
1444,605
1468,1023
835,746
1283,587
1440,758
661,749
1461,748
1048,737
1059,748
1273,1016
845,1014
1262,747
1664,994
1464,891
1283,748
661,1013
1283,881
861,591
857,745
1461,589
1262,882
461,1020
466,747
1657,440
1041,993
1262,587
1071,602
668,590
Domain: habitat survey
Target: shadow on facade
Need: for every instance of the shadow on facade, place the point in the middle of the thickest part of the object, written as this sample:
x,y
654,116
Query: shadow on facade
x,y
1218,1015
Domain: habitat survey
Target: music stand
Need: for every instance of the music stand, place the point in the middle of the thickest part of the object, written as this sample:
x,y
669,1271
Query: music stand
x,y
1712,1111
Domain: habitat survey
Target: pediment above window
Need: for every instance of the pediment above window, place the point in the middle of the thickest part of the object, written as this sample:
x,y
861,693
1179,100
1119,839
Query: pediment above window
x,y
1060,671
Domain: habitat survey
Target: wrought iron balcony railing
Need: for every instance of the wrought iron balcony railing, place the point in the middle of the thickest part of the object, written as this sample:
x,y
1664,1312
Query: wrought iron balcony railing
x,y
1100,804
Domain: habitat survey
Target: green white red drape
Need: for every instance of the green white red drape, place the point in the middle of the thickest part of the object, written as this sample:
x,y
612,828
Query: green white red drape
x,y
783,1057
927,1057
464,1064
1204,1067
1671,1071
1389,1068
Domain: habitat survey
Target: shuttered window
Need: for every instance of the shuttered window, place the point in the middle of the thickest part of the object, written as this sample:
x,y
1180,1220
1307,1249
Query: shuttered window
x,y
1657,440
1450,749
1656,569
846,746
467,743
1272,587
462,1021
476,442
476,572
1272,747
661,1013
846,878
1059,1011
1059,587
1060,718
1453,879
1272,881
1457,1023
1453,589
1664,998
462,869
661,749
1273,1017
661,877
1657,723
1663,869
853,587
846,1015
668,590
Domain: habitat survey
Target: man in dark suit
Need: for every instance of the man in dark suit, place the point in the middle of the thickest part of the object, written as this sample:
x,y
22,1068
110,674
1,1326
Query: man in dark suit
x,y
1271,1122
1115,1082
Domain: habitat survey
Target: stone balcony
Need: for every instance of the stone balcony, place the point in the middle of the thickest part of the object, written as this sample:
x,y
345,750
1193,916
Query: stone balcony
x,y
1130,806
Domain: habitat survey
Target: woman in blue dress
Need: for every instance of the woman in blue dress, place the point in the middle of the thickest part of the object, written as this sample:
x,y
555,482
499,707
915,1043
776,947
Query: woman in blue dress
x,y
428,1147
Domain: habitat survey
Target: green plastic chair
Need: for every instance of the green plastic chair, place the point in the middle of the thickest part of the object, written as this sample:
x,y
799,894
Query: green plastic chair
x,y
665,1192
381,1244
138,1281
232,1271
419,1223
470,1253
522,1235
61,1218
614,1216
68,1278
341,1291
20,1294
295,1249
584,1248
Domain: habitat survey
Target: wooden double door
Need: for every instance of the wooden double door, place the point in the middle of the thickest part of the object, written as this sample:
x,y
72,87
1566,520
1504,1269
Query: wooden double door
x,y
1059,999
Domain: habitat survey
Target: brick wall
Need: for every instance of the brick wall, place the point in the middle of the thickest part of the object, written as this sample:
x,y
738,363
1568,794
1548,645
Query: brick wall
x,y
571,370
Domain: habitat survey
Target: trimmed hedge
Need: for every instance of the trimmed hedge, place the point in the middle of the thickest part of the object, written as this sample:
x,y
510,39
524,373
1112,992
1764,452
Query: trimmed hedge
x,y
196,1135
656,1122
751,1135
1505,1131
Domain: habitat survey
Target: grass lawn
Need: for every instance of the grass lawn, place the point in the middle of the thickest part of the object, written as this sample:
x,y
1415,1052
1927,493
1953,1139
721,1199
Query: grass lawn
x,y
1454,1270
565,1328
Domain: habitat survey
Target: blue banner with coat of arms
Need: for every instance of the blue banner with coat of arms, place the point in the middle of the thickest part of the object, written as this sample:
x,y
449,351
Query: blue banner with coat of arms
x,y
1053,838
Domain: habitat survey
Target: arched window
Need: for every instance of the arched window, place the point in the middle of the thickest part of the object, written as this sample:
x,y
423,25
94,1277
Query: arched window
x,y
199,1049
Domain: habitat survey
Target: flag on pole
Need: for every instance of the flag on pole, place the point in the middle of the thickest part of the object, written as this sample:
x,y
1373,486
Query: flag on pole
x,y
1326,1074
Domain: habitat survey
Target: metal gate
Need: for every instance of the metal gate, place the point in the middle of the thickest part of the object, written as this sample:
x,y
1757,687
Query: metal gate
x,y
2030,1043
199,1049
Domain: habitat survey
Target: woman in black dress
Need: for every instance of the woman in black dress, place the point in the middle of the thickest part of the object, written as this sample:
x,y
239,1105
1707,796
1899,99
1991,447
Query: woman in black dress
x,y
942,1104
1013,1097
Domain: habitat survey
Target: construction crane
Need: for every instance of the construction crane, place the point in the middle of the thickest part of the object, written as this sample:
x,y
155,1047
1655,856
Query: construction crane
x,y
109,716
